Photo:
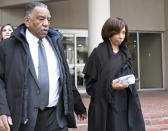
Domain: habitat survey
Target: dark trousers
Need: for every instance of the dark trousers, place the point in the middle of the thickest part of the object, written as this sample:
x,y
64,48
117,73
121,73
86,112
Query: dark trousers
x,y
46,121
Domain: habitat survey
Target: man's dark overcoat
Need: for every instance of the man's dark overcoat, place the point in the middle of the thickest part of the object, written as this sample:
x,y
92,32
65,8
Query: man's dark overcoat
x,y
109,109
16,67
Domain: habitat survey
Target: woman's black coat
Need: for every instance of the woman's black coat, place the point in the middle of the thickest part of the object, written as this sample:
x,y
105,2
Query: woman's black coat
x,y
107,104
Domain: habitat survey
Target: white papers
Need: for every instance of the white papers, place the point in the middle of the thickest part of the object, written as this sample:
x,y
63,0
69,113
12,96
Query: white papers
x,y
127,80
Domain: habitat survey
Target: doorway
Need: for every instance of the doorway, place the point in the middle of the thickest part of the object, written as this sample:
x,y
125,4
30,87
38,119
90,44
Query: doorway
x,y
75,43
150,60
146,50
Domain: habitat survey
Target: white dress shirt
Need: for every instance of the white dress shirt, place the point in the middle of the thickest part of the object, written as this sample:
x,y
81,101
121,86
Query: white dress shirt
x,y
53,67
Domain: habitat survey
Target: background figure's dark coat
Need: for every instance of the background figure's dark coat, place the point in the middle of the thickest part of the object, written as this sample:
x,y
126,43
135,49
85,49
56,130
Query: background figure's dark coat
x,y
111,110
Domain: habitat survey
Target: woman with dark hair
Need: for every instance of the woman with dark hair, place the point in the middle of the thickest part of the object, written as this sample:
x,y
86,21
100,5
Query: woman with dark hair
x,y
110,82
6,31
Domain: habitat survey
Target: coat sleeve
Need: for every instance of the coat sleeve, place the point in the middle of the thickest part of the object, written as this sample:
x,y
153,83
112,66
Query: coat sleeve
x,y
79,107
4,109
91,73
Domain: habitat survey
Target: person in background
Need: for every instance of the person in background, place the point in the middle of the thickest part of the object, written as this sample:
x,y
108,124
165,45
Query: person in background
x,y
36,90
114,106
6,31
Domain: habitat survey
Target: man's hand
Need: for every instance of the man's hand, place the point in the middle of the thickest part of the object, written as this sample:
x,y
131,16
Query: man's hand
x,y
5,122
117,86
82,116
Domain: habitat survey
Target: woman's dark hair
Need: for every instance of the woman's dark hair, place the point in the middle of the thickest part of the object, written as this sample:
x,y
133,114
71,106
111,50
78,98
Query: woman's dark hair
x,y
112,26
4,27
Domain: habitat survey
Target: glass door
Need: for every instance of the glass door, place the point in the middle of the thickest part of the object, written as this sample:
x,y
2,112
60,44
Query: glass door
x,y
69,50
146,51
82,55
76,52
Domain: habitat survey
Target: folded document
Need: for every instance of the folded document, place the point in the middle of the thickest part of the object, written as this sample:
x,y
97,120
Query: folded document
x,y
127,80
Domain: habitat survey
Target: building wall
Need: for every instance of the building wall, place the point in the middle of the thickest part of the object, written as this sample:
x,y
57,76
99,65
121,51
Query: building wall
x,y
140,14
14,16
69,14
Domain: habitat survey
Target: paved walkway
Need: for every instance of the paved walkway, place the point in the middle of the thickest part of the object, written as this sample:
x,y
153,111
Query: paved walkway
x,y
154,107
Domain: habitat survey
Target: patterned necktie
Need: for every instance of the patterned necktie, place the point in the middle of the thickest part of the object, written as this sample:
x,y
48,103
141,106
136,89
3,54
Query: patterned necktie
x,y
43,77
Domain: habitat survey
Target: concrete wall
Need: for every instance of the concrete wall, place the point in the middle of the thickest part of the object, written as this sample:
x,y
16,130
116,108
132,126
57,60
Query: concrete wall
x,y
65,14
9,3
13,16
69,14
166,14
140,14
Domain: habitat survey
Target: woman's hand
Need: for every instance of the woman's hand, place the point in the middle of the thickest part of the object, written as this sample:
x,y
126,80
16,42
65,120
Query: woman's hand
x,y
117,86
